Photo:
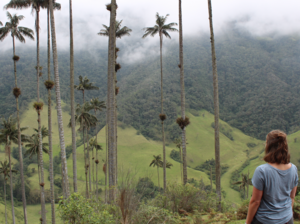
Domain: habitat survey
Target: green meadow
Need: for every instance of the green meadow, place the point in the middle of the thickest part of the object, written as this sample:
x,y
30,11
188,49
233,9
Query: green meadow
x,y
135,153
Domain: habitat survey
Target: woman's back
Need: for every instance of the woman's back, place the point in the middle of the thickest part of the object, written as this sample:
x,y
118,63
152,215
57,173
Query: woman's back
x,y
276,184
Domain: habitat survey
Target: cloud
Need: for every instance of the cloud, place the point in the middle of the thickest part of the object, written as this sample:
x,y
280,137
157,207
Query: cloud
x,y
259,17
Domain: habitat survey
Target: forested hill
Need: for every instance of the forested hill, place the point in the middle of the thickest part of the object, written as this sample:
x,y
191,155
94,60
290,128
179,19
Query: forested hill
x,y
258,82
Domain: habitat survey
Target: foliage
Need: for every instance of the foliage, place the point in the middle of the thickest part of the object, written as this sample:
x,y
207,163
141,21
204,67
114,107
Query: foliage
x,y
251,145
155,215
146,188
77,209
224,129
175,155
208,164
243,210
185,198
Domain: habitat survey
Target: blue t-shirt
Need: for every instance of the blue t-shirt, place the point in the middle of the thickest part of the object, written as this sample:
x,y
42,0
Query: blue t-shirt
x,y
276,204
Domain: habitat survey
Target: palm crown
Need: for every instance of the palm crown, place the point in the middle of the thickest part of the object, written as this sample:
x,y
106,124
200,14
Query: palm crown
x,y
4,169
120,32
9,131
96,104
83,117
160,27
35,5
33,146
156,161
16,31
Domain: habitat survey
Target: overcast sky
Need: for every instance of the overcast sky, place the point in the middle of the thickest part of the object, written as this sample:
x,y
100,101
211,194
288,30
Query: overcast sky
x,y
260,17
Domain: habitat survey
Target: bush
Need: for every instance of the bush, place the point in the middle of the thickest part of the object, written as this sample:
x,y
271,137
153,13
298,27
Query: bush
x,y
175,155
243,210
155,215
146,188
77,209
185,198
251,145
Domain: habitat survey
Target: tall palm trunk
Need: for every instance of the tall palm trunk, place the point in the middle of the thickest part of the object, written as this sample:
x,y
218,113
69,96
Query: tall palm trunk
x,y
72,100
158,177
93,162
5,199
97,161
11,185
41,163
52,196
19,140
181,167
162,112
216,107
111,103
89,160
183,141
85,164
43,208
106,155
58,104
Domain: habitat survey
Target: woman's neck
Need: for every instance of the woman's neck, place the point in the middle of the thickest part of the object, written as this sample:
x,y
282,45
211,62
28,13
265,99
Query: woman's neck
x,y
281,166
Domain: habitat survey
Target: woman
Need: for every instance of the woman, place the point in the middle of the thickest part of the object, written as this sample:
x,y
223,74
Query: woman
x,y
274,184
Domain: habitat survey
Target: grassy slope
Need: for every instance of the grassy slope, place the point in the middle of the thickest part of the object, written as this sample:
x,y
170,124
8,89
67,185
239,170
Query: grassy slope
x,y
135,151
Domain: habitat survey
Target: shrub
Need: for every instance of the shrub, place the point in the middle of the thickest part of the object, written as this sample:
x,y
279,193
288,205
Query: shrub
x,y
243,210
154,215
77,209
251,144
175,155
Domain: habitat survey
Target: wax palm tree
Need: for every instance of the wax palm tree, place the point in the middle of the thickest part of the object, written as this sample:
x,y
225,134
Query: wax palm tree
x,y
244,183
72,98
183,117
94,145
33,149
58,105
49,85
9,133
4,169
111,90
216,106
120,32
162,29
86,120
97,105
19,33
157,162
85,84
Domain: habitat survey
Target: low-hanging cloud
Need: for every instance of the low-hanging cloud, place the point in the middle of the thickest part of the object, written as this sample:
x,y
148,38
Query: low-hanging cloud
x,y
258,17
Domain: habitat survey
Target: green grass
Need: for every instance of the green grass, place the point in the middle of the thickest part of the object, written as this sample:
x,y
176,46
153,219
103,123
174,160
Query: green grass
x,y
135,152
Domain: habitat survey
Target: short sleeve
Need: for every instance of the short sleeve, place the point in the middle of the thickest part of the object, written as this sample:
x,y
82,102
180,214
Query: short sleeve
x,y
296,178
258,179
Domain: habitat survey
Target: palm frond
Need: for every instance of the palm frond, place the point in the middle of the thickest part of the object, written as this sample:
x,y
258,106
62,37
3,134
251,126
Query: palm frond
x,y
18,4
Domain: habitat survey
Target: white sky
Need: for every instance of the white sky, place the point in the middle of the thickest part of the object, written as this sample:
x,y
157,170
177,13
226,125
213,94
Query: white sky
x,y
260,17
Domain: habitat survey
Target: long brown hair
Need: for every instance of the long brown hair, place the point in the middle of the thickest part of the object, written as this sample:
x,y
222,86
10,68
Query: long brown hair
x,y
276,150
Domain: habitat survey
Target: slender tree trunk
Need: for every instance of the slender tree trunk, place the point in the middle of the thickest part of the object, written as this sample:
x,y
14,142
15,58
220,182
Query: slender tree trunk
x,y
183,141
52,196
96,159
111,104
210,178
181,166
11,186
162,111
216,107
19,140
89,159
58,104
42,182
37,28
85,164
116,124
158,177
93,171
72,101
106,159
5,200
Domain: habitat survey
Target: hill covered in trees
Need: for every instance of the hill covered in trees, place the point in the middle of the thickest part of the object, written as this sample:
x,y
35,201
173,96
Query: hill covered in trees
x,y
258,82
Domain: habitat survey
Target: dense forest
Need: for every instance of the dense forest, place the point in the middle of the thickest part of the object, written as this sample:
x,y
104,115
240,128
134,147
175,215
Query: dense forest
x,y
258,82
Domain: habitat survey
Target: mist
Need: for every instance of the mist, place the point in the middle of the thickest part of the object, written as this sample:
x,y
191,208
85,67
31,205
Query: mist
x,y
256,17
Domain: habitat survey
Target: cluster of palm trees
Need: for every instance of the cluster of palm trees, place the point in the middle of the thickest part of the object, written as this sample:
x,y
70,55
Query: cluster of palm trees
x,y
81,114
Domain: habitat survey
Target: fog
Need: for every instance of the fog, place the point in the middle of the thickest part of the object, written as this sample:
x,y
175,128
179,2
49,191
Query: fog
x,y
268,17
